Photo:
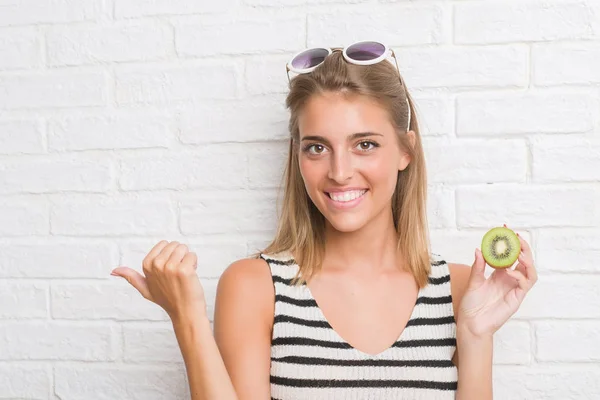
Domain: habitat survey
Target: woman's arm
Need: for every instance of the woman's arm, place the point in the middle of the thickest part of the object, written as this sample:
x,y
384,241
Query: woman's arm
x,y
170,280
243,323
475,371
207,376
482,306
475,354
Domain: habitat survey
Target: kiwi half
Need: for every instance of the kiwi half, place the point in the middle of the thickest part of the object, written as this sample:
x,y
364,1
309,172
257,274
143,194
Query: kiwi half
x,y
500,247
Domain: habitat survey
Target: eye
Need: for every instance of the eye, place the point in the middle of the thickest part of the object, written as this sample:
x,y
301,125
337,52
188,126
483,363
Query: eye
x,y
314,148
367,145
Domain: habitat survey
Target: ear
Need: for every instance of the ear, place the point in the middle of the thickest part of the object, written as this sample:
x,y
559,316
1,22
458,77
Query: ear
x,y
404,156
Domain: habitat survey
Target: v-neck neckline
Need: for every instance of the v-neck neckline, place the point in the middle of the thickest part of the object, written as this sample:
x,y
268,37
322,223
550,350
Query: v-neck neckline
x,y
361,352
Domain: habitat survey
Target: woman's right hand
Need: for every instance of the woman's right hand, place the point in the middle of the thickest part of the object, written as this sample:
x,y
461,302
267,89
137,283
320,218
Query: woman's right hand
x,y
169,280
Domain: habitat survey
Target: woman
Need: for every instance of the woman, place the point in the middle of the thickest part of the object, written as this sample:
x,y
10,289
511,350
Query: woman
x,y
347,302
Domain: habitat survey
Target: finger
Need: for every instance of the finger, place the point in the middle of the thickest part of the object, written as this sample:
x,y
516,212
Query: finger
x,y
478,268
176,256
136,280
189,263
147,262
526,259
522,280
161,259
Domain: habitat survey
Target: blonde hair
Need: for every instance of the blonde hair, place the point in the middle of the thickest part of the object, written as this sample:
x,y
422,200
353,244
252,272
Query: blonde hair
x,y
301,226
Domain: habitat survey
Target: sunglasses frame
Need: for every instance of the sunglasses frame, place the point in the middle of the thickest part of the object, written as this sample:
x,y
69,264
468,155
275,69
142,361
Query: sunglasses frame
x,y
386,54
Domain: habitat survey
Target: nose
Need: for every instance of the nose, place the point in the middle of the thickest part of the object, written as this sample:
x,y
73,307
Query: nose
x,y
341,168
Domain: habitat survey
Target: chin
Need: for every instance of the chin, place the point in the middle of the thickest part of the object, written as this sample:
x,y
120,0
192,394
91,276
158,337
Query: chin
x,y
346,223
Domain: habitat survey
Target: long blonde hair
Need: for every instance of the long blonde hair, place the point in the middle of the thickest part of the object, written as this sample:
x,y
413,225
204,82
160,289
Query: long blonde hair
x,y
301,226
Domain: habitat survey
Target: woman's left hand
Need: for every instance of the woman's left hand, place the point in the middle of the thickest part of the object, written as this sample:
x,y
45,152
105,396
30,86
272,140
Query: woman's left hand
x,y
488,303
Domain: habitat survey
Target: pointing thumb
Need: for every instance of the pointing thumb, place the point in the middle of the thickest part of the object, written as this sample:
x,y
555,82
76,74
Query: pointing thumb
x,y
136,280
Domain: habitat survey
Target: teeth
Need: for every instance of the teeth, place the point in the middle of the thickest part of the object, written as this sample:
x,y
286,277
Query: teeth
x,y
347,196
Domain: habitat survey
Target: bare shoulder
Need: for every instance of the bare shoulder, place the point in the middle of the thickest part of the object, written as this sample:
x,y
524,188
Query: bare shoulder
x,y
248,280
247,271
459,279
246,283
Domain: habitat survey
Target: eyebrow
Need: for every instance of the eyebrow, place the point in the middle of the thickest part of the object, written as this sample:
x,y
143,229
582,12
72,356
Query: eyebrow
x,y
354,136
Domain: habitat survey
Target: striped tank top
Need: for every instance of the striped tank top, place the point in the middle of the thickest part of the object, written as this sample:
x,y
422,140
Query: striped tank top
x,y
309,360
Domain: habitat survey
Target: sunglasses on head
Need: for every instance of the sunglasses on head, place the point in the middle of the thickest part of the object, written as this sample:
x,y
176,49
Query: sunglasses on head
x,y
359,53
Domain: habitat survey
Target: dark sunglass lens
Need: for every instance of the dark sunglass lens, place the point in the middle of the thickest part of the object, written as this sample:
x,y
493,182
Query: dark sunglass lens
x,y
309,58
365,51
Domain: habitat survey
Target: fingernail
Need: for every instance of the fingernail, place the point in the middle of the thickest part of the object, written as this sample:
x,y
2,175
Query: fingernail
x,y
113,274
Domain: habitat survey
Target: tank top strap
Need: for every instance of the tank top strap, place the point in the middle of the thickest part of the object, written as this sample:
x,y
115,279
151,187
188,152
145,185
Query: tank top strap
x,y
284,269
438,292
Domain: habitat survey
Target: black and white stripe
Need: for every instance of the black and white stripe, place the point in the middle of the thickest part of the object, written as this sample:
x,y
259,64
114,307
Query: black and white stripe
x,y
309,360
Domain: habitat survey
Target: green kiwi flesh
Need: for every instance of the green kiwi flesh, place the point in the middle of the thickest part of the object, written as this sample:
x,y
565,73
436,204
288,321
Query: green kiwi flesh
x,y
500,247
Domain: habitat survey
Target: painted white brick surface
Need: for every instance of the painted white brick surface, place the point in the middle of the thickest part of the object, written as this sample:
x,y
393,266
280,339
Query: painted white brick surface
x,y
78,45
126,122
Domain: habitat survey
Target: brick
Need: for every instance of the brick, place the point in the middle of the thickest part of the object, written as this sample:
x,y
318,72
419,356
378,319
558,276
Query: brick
x,y
22,300
140,8
581,336
565,160
214,213
26,12
260,119
512,344
79,45
24,217
150,343
395,25
562,63
473,161
162,84
120,382
54,175
562,296
21,137
267,164
24,381
435,115
55,341
516,22
135,130
100,215
527,206
555,382
53,89
104,300
215,166
464,67
266,74
568,250
58,259
214,255
544,111
257,242
244,36
440,207
19,48
284,3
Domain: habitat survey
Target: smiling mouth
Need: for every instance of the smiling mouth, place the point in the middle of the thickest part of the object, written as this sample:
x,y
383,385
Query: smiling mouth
x,y
344,197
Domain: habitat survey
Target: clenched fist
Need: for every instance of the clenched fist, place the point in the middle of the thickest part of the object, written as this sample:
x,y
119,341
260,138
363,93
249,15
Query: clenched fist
x,y
170,280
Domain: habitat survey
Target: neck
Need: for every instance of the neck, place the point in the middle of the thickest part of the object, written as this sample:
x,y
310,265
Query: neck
x,y
373,248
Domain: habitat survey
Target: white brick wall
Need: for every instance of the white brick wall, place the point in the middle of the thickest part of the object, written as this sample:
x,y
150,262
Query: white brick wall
x,y
126,122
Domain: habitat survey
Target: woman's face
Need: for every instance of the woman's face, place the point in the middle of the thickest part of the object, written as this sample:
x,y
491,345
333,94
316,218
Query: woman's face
x,y
349,158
